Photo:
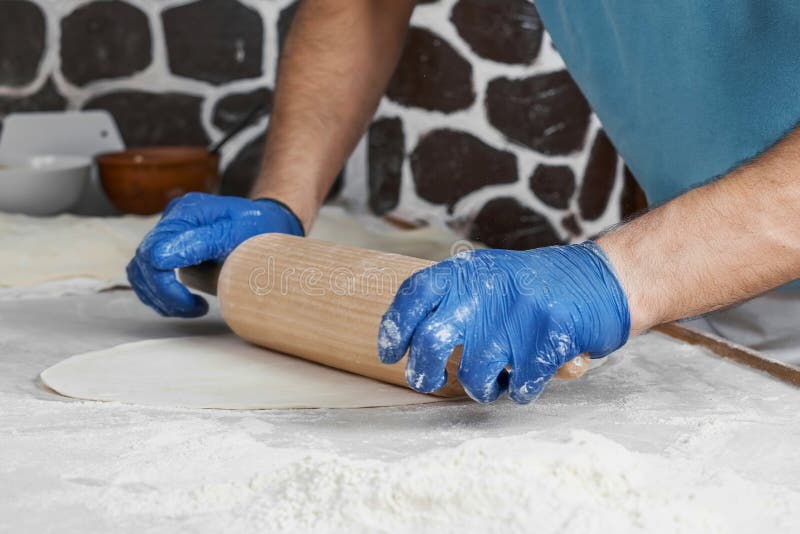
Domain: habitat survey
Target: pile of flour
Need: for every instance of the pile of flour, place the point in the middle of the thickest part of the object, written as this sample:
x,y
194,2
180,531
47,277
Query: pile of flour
x,y
585,484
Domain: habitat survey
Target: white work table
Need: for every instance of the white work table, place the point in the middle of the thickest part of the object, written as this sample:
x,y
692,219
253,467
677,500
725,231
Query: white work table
x,y
75,466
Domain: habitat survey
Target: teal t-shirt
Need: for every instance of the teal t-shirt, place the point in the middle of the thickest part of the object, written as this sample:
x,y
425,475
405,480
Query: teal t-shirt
x,y
686,89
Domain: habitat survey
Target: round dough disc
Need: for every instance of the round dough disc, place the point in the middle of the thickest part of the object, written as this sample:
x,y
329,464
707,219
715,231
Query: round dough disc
x,y
216,372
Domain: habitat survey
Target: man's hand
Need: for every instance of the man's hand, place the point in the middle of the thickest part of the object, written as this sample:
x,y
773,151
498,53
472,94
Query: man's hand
x,y
196,228
519,316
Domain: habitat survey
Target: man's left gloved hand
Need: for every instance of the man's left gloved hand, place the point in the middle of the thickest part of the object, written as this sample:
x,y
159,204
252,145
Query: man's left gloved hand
x,y
520,315
198,227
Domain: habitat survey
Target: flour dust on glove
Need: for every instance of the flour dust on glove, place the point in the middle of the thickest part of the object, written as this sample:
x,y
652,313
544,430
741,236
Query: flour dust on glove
x,y
520,315
194,228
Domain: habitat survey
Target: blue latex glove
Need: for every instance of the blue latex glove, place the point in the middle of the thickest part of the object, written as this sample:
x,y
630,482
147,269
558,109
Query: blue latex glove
x,y
520,315
195,228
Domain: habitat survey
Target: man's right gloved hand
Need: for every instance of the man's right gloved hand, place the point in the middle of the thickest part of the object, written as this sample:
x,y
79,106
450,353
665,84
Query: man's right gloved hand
x,y
519,315
195,228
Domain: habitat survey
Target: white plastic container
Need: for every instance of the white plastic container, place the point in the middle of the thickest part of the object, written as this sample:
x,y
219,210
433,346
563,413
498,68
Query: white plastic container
x,y
42,185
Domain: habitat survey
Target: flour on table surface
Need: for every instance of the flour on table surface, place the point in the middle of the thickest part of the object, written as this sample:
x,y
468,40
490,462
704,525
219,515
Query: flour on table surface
x,y
193,474
664,437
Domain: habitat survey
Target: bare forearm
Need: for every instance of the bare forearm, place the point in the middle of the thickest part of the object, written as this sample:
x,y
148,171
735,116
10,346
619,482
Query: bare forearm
x,y
336,63
716,245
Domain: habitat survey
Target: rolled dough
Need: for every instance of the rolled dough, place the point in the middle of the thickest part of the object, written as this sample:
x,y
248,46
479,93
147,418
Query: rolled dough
x,y
47,255
216,372
43,250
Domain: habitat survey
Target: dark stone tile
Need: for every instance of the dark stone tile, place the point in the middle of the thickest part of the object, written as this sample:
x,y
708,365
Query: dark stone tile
x,y
154,118
431,75
386,150
285,19
570,224
507,32
22,42
632,199
553,184
216,41
233,108
102,40
546,112
337,186
240,174
505,223
448,164
598,178
47,98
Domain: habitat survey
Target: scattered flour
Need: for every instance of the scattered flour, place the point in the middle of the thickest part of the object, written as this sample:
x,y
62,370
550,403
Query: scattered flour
x,y
664,438
585,484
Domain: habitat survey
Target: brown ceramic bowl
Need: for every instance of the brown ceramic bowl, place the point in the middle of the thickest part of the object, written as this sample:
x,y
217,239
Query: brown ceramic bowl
x,y
143,180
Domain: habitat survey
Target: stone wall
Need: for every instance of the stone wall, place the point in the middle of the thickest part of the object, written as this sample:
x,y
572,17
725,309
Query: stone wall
x,y
481,127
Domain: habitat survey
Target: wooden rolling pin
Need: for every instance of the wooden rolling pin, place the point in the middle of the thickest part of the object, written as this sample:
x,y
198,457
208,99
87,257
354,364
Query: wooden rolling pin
x,y
319,301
